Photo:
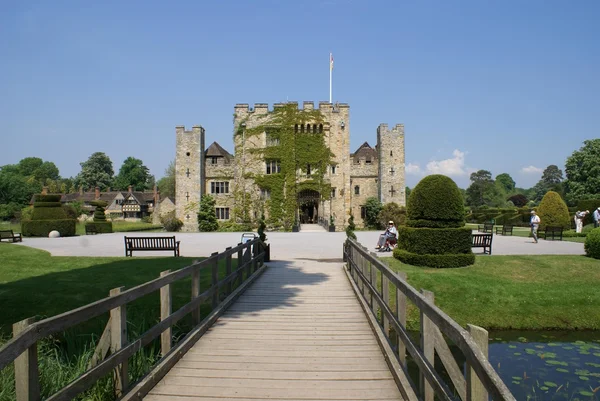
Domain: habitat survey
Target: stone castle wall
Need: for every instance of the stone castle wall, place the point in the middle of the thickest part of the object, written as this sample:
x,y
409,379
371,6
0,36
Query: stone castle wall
x,y
390,145
189,166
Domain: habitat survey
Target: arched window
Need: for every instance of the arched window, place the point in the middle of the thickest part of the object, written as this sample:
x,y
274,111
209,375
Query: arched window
x,y
314,128
308,128
296,128
302,128
391,154
357,190
320,128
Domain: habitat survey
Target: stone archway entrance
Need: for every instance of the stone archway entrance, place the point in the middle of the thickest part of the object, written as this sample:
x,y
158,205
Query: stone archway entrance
x,y
308,206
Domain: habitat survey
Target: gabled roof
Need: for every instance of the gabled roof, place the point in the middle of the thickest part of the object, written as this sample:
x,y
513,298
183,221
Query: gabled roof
x,y
365,151
216,150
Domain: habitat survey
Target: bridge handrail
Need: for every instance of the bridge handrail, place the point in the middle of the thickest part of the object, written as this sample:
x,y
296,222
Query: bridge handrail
x,y
28,332
363,267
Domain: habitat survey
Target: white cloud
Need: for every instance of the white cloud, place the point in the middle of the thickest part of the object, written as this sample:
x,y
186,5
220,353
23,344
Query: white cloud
x,y
413,169
531,170
450,167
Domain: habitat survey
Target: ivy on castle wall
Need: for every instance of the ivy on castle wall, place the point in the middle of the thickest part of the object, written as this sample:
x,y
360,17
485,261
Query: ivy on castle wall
x,y
295,150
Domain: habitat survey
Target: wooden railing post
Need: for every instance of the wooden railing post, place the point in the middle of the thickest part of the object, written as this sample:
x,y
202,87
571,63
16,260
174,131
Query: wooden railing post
x,y
475,388
195,293
165,312
385,294
240,262
427,346
215,280
373,281
401,315
118,340
27,377
247,259
228,271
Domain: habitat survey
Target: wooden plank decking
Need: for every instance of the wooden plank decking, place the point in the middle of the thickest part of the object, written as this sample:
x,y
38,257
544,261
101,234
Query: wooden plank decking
x,y
298,333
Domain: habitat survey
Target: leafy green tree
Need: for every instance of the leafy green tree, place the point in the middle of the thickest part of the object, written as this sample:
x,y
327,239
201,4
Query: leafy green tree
x,y
15,188
166,184
133,172
553,211
96,171
505,182
552,175
392,211
372,209
29,165
519,200
207,218
582,169
482,185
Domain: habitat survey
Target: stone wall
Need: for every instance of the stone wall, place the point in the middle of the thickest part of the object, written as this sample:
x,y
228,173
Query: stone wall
x,y
390,145
189,173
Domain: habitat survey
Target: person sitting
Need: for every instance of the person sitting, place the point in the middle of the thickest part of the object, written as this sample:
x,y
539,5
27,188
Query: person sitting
x,y
387,237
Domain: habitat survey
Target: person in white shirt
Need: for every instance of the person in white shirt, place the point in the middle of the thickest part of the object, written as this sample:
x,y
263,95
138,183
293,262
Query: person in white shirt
x,y
579,216
390,233
597,217
535,224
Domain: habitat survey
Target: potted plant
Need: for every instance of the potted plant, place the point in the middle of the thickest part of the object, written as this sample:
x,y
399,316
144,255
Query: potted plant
x,y
295,227
331,224
263,237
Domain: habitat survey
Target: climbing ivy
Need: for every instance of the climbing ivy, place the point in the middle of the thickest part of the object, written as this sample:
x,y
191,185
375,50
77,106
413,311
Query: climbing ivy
x,y
295,150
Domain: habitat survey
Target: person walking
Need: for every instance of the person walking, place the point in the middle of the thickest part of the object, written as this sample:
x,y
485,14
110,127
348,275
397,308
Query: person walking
x,y
597,217
535,224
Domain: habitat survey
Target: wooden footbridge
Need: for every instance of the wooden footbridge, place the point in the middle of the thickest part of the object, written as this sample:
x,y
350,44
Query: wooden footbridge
x,y
289,330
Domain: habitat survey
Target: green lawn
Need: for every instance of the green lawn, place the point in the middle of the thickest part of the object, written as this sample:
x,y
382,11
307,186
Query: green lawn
x,y
514,292
33,283
525,232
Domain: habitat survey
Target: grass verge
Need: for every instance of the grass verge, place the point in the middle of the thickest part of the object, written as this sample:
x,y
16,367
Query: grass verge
x,y
514,292
525,232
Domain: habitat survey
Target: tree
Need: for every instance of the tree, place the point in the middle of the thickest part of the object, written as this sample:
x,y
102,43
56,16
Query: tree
x,y
15,188
207,219
505,182
28,165
582,169
551,181
479,190
167,183
133,172
392,211
96,171
552,175
519,200
553,211
372,209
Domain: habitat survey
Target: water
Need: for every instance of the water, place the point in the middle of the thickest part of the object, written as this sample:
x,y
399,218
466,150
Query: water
x,y
548,365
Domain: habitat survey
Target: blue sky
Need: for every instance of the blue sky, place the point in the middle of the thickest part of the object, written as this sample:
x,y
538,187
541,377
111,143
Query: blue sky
x,y
506,86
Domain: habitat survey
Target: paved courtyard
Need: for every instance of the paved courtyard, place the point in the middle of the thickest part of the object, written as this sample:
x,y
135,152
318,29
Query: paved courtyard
x,y
284,246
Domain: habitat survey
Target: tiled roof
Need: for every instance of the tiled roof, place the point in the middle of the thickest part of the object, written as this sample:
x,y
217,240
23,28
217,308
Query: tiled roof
x,y
216,150
365,151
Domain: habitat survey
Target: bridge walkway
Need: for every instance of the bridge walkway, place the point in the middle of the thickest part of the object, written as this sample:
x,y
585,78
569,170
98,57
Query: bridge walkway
x,y
298,333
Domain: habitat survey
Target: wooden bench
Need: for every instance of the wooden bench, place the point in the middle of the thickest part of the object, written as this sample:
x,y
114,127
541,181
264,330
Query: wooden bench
x,y
90,229
482,241
10,236
552,233
151,244
486,228
505,230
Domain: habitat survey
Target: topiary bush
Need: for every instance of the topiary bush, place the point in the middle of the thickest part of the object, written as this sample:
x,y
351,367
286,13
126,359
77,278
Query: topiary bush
x,y
592,244
261,229
102,226
434,234
48,215
350,228
553,211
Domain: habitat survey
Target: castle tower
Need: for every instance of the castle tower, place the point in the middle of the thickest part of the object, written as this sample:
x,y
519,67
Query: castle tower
x,y
189,175
390,146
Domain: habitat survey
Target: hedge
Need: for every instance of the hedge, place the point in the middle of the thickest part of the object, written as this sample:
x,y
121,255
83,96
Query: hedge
x,y
102,227
46,198
47,204
41,228
434,241
592,244
436,261
434,223
48,213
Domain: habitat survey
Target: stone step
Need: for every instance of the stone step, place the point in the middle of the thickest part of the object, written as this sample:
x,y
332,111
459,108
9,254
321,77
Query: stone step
x,y
312,228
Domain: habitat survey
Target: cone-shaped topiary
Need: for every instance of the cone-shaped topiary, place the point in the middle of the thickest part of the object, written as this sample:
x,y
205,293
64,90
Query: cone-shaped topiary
x,y
553,211
102,226
435,235
592,244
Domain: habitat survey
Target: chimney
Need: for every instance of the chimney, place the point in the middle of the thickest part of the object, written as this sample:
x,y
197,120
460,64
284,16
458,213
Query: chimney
x,y
130,189
44,190
155,194
97,193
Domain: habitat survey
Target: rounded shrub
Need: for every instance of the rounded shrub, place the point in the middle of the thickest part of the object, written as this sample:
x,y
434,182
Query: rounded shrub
x,y
48,215
436,201
434,234
553,211
592,244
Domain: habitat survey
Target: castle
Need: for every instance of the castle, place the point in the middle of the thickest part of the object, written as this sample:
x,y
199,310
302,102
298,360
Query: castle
x,y
234,181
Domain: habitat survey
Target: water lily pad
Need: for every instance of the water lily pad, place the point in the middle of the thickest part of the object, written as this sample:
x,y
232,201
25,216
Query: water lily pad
x,y
582,372
522,339
579,342
562,370
516,378
530,351
584,378
568,347
596,365
596,353
553,362
517,353
586,393
584,352
514,382
540,346
553,344
550,384
549,355
512,346
498,339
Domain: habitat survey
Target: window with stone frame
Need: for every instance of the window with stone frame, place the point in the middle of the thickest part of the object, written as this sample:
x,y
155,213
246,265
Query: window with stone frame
x,y
356,190
214,160
363,212
333,169
332,193
273,166
265,194
368,160
219,187
222,213
271,139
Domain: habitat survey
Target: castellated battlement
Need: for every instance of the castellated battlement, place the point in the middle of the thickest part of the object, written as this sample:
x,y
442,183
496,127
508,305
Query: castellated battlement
x,y
195,129
263,108
383,129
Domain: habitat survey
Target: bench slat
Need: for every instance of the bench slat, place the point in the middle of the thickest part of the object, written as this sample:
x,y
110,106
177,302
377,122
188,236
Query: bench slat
x,y
151,244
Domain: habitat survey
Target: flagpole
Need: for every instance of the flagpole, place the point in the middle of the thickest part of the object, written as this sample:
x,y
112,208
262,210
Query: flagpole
x,y
330,76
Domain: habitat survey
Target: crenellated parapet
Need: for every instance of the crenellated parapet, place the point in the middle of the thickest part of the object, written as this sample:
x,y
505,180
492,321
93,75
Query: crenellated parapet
x,y
263,108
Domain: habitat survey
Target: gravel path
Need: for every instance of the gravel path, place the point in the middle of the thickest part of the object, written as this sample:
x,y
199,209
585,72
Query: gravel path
x,y
284,246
